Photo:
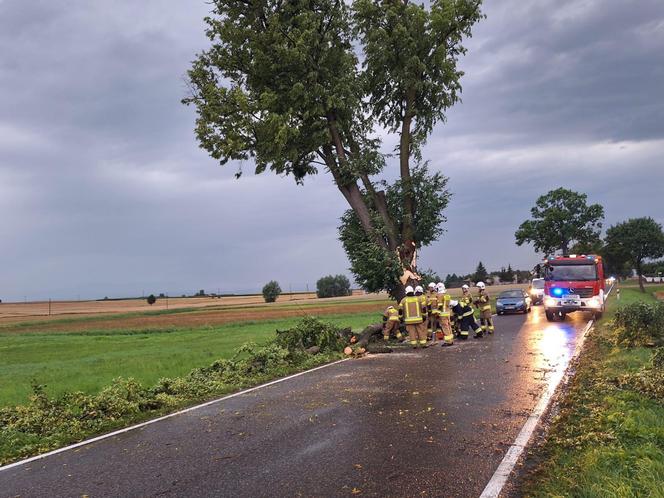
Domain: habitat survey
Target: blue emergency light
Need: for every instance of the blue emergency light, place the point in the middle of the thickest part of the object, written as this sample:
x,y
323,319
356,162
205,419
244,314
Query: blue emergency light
x,y
557,291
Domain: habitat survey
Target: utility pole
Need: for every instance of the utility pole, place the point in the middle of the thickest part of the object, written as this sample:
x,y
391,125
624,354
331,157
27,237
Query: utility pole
x,y
49,306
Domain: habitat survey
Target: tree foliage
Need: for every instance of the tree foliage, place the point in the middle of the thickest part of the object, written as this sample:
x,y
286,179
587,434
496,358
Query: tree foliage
x,y
281,85
271,291
559,219
480,274
151,299
634,241
333,286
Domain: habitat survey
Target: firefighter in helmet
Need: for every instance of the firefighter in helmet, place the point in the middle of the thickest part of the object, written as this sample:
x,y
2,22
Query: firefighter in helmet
x,y
467,314
391,323
434,310
483,303
413,316
444,314
422,328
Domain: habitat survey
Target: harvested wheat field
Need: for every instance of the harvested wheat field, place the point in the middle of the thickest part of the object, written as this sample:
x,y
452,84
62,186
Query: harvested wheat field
x,y
193,319
19,312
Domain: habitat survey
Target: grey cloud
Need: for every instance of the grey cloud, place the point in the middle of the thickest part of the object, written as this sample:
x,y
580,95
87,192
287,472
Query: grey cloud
x,y
105,191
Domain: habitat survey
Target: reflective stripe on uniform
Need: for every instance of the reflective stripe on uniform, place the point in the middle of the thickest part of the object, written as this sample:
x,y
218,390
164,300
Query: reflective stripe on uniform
x,y
412,309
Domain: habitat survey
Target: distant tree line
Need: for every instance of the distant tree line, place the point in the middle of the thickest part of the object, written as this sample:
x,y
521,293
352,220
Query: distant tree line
x,y
481,274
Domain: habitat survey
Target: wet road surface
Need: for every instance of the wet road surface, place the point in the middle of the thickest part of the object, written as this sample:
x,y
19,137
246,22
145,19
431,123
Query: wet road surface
x,y
432,422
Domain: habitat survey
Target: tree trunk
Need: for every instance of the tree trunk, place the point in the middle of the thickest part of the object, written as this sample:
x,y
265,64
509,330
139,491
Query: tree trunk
x,y
407,230
368,333
380,203
353,196
639,274
565,247
399,292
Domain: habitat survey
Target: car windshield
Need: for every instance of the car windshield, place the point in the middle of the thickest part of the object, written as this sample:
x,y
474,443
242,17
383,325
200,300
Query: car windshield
x,y
508,294
572,272
538,283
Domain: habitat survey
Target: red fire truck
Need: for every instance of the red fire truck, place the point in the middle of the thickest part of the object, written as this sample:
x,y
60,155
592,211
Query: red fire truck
x,y
573,283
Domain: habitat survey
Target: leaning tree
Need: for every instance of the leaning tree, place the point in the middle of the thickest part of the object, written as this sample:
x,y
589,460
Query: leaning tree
x,y
282,85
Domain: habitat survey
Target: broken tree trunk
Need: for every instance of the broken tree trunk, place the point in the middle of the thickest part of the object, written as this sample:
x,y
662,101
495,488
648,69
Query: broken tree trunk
x,y
368,333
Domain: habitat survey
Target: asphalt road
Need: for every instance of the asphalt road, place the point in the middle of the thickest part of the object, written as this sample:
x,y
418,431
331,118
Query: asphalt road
x,y
433,422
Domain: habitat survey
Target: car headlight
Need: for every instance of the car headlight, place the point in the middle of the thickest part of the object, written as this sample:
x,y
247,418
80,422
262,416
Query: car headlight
x,y
594,302
549,301
519,303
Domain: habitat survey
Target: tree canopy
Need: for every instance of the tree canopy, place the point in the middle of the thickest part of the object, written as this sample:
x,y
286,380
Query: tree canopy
x,y
271,291
561,218
634,241
480,274
282,85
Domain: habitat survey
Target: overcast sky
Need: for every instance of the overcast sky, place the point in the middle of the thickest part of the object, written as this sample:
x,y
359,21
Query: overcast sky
x,y
103,190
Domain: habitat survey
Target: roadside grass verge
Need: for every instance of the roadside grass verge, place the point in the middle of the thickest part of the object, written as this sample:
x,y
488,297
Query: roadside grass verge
x,y
48,422
608,437
88,361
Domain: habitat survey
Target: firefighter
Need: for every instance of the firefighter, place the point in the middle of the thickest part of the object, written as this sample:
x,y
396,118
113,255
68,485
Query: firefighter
x,y
467,314
455,319
413,316
444,312
422,328
391,323
483,303
434,310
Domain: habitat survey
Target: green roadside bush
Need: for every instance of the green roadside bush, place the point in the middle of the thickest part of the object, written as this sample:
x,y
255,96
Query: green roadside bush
x,y
639,324
46,423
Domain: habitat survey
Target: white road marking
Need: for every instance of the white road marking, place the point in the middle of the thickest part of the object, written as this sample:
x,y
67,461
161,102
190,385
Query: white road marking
x,y
154,421
502,473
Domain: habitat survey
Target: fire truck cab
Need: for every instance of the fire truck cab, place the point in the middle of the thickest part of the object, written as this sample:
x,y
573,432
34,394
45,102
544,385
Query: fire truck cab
x,y
573,283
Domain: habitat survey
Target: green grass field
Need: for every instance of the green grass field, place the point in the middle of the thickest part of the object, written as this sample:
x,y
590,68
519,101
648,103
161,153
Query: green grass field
x,y
88,361
607,441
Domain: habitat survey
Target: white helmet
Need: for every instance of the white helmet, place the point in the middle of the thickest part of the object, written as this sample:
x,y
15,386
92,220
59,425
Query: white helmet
x,y
453,303
480,285
410,290
419,289
441,288
465,287
432,285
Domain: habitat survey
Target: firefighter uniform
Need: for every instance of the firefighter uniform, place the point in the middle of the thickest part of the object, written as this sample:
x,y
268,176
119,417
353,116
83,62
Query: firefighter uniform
x,y
467,316
483,303
422,327
413,315
444,319
391,323
434,313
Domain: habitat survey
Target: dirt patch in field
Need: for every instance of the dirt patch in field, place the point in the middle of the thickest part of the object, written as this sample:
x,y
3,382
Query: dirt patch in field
x,y
660,295
197,318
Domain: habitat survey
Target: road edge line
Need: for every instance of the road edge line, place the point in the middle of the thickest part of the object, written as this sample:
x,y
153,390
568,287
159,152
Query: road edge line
x,y
502,474
164,417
